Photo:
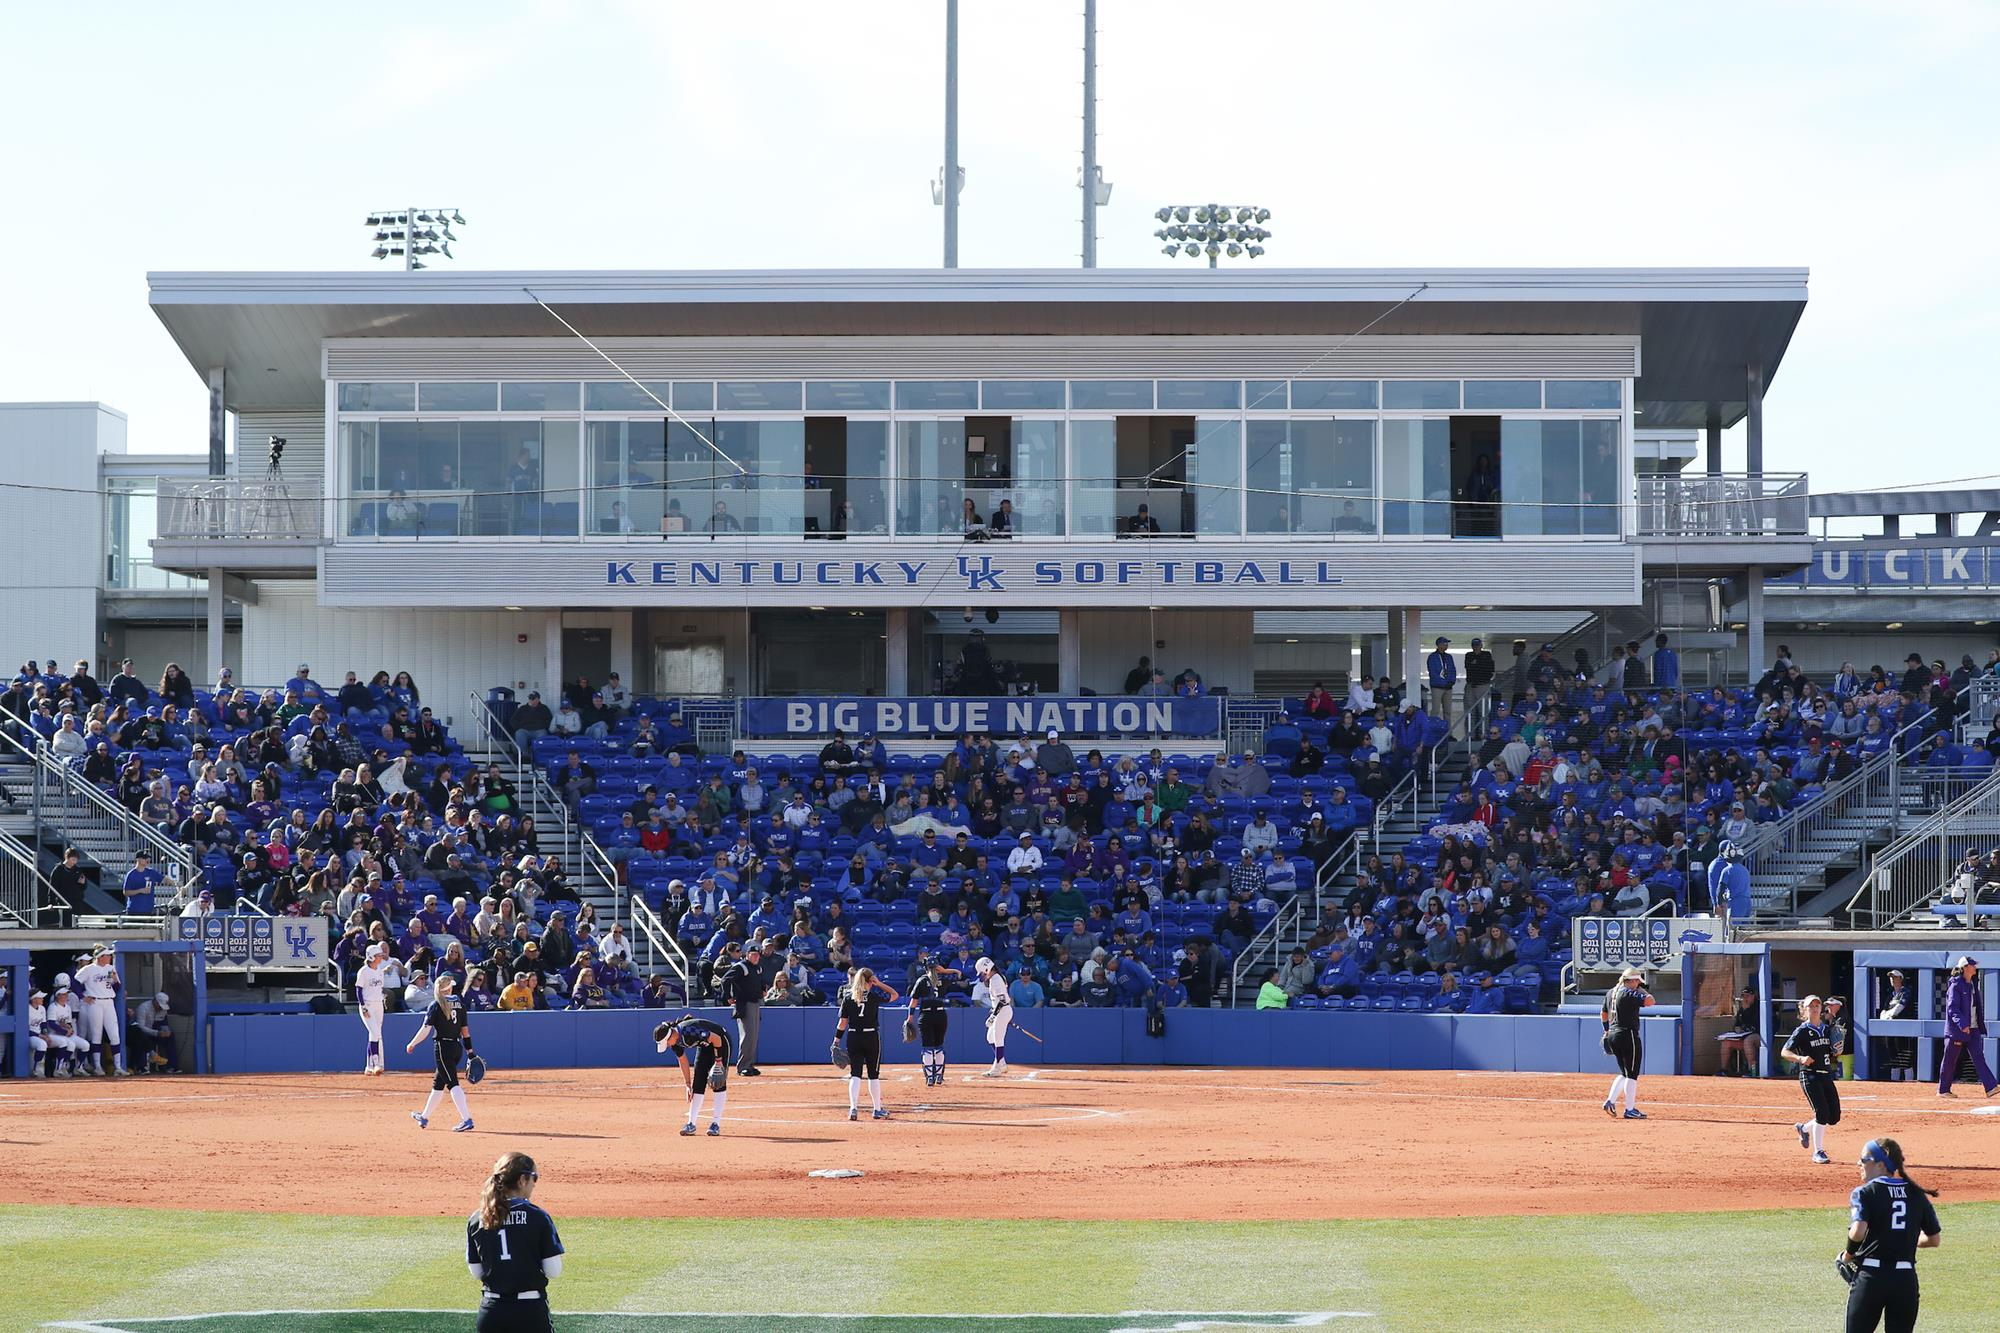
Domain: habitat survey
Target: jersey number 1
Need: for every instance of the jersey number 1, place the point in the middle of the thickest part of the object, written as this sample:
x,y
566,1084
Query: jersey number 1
x,y
508,1258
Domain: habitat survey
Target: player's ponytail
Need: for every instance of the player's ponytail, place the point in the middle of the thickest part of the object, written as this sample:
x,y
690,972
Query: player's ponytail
x,y
1891,1155
508,1173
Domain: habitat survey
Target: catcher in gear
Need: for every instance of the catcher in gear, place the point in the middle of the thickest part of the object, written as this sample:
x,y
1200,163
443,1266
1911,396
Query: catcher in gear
x,y
930,1018
1890,1218
709,1045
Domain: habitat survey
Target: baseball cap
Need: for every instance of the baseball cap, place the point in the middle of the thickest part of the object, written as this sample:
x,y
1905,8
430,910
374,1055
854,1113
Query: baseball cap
x,y
1478,642
1052,733
1442,639
210,893
160,998
1965,960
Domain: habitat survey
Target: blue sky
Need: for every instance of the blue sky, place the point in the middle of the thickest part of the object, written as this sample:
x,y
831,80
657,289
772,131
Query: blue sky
x,y
1858,139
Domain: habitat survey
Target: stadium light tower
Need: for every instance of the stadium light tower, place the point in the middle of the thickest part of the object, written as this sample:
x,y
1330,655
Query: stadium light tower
x,y
1213,230
414,232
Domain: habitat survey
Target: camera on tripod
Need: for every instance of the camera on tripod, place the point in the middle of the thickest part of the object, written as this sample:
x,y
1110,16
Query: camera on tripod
x,y
277,454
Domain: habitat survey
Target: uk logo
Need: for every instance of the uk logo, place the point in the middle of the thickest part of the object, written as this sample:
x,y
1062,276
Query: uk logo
x,y
985,576
300,941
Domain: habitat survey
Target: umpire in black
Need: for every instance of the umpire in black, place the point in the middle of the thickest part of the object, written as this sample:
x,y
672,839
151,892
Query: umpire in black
x,y
1890,1218
743,985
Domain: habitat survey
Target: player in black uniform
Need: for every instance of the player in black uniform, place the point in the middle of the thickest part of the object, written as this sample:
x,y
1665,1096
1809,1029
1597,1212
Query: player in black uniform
x,y
445,1021
1811,1049
708,1044
861,1023
1622,1006
1890,1218
928,998
512,1248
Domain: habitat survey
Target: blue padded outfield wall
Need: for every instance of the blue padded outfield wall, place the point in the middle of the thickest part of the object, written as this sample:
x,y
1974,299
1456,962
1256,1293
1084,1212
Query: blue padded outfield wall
x,y
1542,1043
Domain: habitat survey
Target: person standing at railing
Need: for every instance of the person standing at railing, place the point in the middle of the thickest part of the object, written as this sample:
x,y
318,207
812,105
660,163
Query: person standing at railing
x,y
1666,665
1479,672
1442,671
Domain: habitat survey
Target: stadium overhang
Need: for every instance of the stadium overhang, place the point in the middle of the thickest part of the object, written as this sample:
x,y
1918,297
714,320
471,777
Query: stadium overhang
x,y
1702,331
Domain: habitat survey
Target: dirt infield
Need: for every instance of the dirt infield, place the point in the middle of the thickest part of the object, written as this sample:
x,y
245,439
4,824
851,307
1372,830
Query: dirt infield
x,y
1160,1144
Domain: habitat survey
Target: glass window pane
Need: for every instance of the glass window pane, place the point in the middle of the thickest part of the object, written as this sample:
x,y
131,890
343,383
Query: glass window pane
x,y
457,397
1266,395
743,396
359,467
847,395
540,397
1098,395
1424,395
1093,487
1600,491
378,397
1493,394
1028,489
1310,476
930,467
861,499
1190,395
1335,394
1416,478
623,396
560,502
1215,476
937,396
768,494
626,471
693,396
1584,394
1021,395
1521,478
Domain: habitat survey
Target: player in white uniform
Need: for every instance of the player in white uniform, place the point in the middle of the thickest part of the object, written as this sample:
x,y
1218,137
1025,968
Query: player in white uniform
x,y
38,1045
369,985
99,984
69,1048
999,1013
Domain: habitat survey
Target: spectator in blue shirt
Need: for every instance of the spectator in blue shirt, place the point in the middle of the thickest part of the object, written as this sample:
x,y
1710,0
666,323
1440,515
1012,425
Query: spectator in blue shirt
x,y
1026,992
1666,664
1341,975
140,882
1169,993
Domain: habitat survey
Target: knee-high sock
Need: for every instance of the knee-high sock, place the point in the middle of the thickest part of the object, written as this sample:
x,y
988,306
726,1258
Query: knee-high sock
x,y
721,1099
1818,1133
1617,1089
112,1052
431,1103
875,1092
1631,1094
695,1099
458,1100
853,1092
1000,1052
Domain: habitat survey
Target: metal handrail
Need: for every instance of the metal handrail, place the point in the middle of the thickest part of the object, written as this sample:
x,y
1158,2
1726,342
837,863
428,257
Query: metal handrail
x,y
1788,842
660,940
63,796
1983,701
1911,871
231,508
25,892
1739,504
1271,937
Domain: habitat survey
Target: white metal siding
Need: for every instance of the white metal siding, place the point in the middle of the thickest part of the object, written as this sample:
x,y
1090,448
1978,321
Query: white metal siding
x,y
916,358
450,653
151,647
54,537
304,432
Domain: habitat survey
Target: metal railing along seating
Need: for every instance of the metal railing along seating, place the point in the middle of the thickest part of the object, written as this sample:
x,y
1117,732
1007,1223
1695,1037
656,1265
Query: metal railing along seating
x,y
1912,871
1724,505
227,508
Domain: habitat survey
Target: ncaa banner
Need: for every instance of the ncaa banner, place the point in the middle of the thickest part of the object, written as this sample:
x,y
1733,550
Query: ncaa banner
x,y
1034,715
258,943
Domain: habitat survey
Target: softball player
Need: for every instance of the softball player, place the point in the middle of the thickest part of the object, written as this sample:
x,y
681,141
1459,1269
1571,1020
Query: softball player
x,y
1623,1004
60,1032
999,1013
370,984
1811,1049
38,1045
512,1250
927,997
861,1023
445,1022
710,1044
98,981
1890,1218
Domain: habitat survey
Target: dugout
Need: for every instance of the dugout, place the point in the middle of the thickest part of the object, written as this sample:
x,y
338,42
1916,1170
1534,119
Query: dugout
x,y
1787,965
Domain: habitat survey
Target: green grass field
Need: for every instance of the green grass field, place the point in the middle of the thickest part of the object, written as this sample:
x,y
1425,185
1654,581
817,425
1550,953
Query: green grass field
x,y
137,1269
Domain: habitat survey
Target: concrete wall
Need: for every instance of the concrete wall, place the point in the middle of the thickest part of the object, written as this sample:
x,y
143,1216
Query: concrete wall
x,y
1218,644
54,537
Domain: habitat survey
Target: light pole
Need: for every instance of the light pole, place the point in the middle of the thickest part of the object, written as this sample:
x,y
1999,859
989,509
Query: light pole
x,y
1096,190
1213,230
944,190
411,232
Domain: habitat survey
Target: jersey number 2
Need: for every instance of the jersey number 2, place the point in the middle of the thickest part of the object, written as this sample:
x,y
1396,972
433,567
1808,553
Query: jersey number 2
x,y
508,1258
1896,1211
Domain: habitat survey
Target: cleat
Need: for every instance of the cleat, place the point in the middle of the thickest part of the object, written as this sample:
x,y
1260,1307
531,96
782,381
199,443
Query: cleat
x,y
1821,1158
750,1071
121,1072
422,1122
1610,1108
1805,1139
462,1126
853,1114
881,1115
1634,1113
687,1129
714,1130
1946,1092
